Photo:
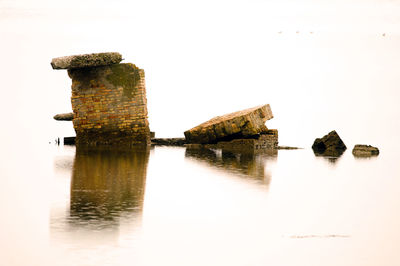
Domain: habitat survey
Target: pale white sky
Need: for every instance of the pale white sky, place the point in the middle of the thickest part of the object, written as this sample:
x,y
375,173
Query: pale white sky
x,y
207,58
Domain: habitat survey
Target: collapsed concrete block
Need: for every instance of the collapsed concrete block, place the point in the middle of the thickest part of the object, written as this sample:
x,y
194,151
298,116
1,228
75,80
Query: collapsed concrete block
x,y
360,150
329,145
86,60
237,125
64,117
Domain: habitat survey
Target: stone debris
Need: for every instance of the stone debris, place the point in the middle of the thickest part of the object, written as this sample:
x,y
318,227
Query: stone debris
x,y
69,140
265,141
361,150
86,60
288,148
238,125
168,141
329,145
64,117
108,100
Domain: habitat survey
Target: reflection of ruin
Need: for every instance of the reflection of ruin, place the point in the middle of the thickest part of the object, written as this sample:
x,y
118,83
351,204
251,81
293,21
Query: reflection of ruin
x,y
244,164
107,184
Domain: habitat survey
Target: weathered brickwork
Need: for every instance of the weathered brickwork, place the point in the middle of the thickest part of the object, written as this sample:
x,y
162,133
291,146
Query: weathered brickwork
x,y
268,140
109,105
264,143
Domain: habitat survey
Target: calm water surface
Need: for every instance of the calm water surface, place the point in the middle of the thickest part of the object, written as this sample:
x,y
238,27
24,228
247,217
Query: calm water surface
x,y
172,206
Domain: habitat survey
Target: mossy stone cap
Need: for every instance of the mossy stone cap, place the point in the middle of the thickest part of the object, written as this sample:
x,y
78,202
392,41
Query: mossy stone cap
x,y
86,60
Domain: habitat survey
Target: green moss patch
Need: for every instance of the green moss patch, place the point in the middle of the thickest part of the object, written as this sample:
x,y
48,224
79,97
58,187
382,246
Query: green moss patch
x,y
87,77
126,76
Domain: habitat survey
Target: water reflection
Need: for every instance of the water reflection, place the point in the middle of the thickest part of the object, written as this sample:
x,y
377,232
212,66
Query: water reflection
x,y
107,184
365,157
332,156
248,165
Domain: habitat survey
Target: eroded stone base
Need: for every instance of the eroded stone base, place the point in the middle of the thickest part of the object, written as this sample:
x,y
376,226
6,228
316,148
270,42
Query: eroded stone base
x,y
263,142
121,138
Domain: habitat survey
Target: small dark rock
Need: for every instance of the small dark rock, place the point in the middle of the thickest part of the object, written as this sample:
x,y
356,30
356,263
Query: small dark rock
x,y
69,140
360,150
64,117
329,145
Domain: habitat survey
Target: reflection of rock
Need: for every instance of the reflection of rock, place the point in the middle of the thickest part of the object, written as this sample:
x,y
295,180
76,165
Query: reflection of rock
x,y
331,157
329,153
329,145
245,164
365,150
237,125
105,183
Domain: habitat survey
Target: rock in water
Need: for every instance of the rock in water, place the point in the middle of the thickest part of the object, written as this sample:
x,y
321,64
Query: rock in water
x,y
69,140
365,150
64,117
235,125
86,60
329,145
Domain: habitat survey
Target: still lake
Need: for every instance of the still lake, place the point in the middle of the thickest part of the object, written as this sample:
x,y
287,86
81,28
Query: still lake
x,y
172,206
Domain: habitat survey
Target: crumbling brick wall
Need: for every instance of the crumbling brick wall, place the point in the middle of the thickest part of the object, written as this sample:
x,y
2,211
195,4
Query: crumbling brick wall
x,y
110,105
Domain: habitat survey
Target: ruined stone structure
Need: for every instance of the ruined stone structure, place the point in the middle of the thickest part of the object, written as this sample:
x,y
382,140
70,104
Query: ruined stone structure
x,y
241,124
242,131
108,100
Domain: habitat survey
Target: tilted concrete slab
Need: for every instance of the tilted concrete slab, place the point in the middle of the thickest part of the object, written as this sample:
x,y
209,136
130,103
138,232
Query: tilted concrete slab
x,y
235,125
86,60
